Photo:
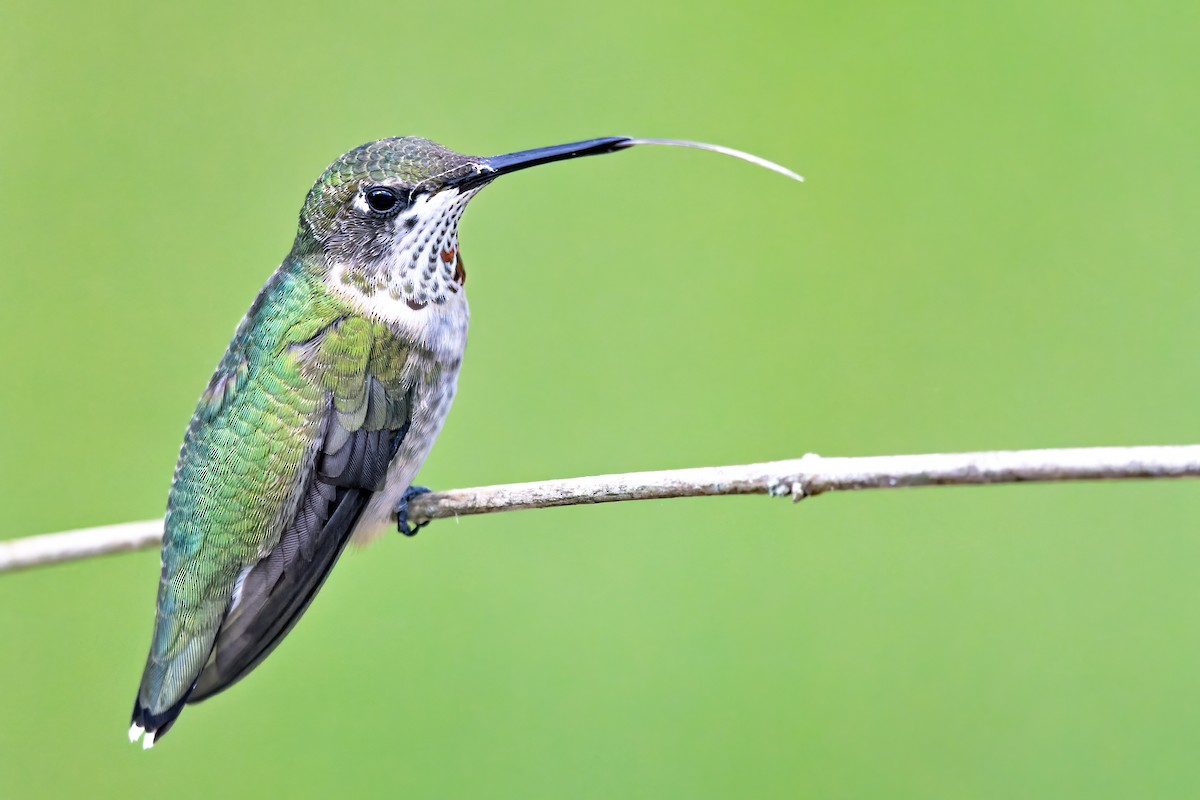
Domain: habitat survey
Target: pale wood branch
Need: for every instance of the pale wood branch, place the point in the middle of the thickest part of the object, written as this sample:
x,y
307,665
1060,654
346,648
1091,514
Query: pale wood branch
x,y
795,478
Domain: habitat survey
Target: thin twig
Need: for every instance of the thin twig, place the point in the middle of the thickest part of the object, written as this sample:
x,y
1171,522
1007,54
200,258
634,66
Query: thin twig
x,y
796,478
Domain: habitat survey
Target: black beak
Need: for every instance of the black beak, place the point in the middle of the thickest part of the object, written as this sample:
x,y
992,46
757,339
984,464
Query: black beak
x,y
486,169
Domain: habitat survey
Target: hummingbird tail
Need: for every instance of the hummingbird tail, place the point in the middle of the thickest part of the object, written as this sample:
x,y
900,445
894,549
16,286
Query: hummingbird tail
x,y
153,726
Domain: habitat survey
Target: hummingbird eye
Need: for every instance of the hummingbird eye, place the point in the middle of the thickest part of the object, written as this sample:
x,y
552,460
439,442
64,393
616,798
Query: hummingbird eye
x,y
382,199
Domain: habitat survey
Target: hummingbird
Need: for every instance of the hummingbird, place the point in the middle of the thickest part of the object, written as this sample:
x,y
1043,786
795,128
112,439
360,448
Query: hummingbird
x,y
322,409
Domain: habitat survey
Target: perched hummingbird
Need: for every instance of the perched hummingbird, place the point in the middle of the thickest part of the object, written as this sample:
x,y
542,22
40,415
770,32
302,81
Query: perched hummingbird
x,y
322,409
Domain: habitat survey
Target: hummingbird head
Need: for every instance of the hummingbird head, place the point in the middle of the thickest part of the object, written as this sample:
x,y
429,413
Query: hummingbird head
x,y
385,215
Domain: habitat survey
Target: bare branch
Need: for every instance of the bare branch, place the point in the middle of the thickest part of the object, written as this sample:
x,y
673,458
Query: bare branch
x,y
796,478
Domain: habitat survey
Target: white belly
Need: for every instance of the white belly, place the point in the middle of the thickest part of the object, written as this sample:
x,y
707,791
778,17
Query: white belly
x,y
431,405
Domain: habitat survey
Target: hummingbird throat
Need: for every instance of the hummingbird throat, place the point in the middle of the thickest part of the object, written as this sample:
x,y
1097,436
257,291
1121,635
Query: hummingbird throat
x,y
410,262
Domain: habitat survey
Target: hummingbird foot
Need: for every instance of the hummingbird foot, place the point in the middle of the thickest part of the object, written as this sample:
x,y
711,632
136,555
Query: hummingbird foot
x,y
402,523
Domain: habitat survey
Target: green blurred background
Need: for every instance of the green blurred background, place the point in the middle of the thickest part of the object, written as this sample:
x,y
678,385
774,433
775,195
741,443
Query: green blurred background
x,y
996,248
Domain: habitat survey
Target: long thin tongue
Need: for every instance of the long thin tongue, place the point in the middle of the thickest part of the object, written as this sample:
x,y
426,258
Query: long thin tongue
x,y
725,151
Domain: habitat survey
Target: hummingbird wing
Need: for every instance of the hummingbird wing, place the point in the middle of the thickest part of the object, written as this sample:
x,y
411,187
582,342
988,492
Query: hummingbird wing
x,y
294,433
270,596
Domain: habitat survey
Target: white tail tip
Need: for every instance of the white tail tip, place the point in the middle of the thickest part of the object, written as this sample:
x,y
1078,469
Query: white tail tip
x,y
723,150
136,730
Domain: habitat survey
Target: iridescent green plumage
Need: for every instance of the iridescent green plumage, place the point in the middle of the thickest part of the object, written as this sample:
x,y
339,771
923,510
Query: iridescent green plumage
x,y
301,360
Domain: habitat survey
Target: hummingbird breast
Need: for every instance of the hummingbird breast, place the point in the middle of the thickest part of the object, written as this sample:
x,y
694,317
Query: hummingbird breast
x,y
419,296
415,284
434,386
